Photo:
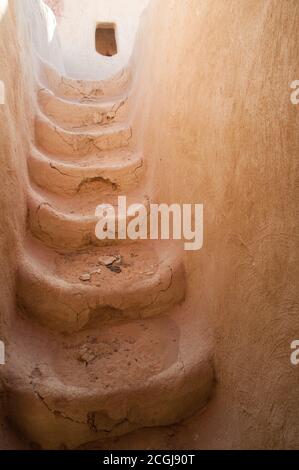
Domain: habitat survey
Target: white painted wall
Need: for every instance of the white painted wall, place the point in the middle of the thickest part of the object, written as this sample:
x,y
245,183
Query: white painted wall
x,y
42,27
77,35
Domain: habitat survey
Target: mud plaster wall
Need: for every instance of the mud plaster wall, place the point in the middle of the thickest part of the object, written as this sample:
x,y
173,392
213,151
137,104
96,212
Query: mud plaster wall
x,y
16,117
213,108
14,139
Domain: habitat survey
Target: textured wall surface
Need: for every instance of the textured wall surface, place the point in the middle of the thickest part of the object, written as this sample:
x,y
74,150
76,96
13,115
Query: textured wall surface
x,y
17,56
15,135
23,28
213,110
219,128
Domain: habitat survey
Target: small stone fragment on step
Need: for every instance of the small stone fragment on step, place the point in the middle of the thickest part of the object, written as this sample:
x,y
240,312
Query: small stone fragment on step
x,y
113,263
96,271
85,277
107,260
86,355
110,115
118,261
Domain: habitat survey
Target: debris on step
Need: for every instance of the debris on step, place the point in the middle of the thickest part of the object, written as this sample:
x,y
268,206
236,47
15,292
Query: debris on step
x,y
110,116
96,271
113,263
85,277
118,261
86,355
107,260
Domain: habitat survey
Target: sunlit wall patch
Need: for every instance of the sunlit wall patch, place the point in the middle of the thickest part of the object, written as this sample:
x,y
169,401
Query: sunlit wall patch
x,y
3,7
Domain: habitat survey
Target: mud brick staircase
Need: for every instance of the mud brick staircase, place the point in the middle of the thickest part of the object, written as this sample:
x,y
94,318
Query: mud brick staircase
x,y
96,352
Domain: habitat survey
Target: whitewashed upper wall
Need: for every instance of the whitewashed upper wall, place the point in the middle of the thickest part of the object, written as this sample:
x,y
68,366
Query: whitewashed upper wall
x,y
77,35
43,30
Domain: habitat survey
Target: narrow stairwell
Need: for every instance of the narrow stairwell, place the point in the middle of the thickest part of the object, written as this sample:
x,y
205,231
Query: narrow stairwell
x,y
95,353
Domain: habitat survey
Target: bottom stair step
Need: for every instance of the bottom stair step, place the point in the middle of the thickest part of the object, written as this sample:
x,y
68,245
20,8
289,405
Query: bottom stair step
x,y
66,391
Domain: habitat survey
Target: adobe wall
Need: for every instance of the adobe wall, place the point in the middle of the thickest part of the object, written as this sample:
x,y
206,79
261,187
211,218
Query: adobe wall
x,y
214,111
213,108
15,134
17,61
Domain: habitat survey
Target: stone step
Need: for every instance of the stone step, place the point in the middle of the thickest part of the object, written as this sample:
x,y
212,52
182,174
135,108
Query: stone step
x,y
58,141
65,291
74,89
66,391
69,222
74,115
117,170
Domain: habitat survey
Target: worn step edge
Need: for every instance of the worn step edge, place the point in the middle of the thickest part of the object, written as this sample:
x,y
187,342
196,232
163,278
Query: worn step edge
x,y
78,115
72,88
55,415
59,229
58,141
122,173
70,306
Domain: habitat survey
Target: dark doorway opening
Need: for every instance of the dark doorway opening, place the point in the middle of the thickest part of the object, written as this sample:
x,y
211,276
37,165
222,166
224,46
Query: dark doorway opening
x,y
106,43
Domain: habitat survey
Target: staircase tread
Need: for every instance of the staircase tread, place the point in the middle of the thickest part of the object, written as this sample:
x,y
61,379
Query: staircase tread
x,y
72,87
83,204
65,289
141,262
113,361
104,158
92,131
85,102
